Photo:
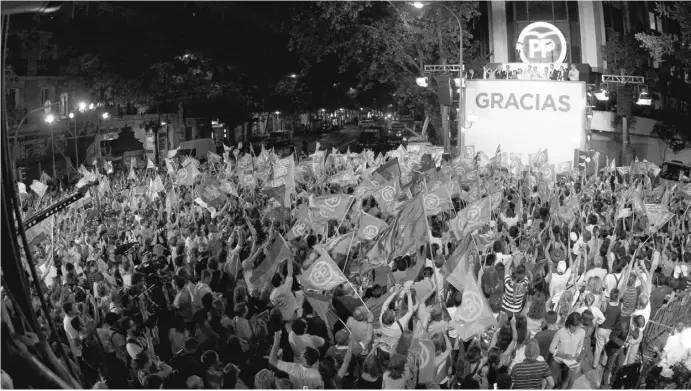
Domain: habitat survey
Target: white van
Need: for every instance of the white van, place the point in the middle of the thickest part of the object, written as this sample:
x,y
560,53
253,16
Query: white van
x,y
198,149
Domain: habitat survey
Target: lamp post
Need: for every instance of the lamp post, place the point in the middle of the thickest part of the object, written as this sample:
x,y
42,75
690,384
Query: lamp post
x,y
50,118
461,100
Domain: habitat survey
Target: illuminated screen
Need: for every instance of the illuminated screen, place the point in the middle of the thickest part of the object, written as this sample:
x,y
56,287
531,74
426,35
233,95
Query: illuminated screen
x,y
524,116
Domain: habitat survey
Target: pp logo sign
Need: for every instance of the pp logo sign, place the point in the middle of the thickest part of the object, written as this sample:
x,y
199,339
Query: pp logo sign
x,y
370,232
542,42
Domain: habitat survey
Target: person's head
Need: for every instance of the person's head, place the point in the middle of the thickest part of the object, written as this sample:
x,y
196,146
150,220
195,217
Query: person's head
x,y
396,366
206,276
642,301
573,66
589,299
194,382
594,285
299,326
532,350
69,309
401,264
614,295
264,379
638,321
152,382
551,318
573,321
111,319
537,307
388,317
587,318
473,354
436,314
241,309
310,356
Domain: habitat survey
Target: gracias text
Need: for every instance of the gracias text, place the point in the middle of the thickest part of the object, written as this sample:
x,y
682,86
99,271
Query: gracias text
x,y
498,100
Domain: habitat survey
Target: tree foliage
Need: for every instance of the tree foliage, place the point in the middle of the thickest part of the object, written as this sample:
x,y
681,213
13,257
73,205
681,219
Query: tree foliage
x,y
669,47
622,51
388,42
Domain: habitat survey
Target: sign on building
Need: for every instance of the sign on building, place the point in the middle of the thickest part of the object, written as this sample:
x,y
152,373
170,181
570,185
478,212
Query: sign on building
x,y
524,116
542,42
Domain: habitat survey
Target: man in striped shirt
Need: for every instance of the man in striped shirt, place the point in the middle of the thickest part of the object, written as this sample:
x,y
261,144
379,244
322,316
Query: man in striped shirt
x,y
515,288
530,373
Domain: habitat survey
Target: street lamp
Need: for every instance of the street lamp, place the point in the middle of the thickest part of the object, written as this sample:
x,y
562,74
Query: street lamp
x,y
71,115
422,81
91,106
105,115
294,76
81,106
461,111
50,118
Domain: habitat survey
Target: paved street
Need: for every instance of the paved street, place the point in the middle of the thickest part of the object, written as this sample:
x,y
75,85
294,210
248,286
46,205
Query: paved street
x,y
340,139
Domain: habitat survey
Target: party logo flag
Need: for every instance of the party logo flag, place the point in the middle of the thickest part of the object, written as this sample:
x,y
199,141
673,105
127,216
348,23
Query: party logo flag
x,y
186,175
365,188
437,200
330,207
170,166
149,164
474,315
209,191
157,185
386,196
278,252
228,187
369,226
322,275
277,193
343,178
423,348
322,306
472,217
658,215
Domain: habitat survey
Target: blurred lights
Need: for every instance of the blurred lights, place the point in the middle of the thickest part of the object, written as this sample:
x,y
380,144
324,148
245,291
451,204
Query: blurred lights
x,y
71,115
82,106
91,106
163,124
602,95
422,81
278,113
418,5
50,118
293,75
105,115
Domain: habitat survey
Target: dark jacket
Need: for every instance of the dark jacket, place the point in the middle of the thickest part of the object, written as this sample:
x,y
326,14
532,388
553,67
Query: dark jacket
x,y
617,338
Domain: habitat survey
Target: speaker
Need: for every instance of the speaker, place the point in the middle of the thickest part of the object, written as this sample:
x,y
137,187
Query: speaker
x,y
444,89
624,100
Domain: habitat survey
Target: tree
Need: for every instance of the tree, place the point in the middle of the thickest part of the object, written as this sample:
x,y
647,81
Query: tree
x,y
669,47
388,42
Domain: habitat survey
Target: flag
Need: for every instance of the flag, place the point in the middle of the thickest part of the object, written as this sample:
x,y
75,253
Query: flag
x,y
389,170
171,153
39,188
157,185
330,207
365,188
322,275
213,158
278,251
170,166
422,347
277,193
40,231
472,217
171,200
498,152
407,232
45,178
469,152
209,191
437,200
300,229
228,187
369,226
108,166
474,315
322,307
564,168
186,175
386,196
149,164
132,175
343,178
658,215
103,186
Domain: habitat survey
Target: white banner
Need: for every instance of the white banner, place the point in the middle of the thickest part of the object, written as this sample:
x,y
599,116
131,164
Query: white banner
x,y
526,115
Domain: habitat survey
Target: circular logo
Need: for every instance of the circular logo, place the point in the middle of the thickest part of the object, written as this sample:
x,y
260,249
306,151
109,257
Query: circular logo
x,y
543,187
182,175
280,171
387,193
320,275
496,199
431,202
542,43
447,170
304,169
547,172
472,175
370,232
473,214
471,309
460,171
300,229
332,202
362,191
424,356
469,152
276,182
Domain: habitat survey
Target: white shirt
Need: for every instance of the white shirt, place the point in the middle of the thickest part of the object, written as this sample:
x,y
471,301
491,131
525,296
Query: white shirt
x,y
557,285
675,350
503,259
645,312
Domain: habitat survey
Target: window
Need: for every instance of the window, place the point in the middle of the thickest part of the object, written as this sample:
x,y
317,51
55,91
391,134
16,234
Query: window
x,y
651,17
64,104
572,10
45,95
521,11
560,10
540,11
12,98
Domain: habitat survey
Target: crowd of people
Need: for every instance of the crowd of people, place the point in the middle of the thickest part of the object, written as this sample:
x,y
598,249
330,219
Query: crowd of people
x,y
263,272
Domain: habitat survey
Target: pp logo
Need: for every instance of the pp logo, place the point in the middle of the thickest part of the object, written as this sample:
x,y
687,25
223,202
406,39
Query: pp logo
x,y
542,42
362,191
280,171
447,170
496,199
473,214
435,186
300,229
370,232
472,175
547,173
304,169
471,309
469,152
321,275
460,171
332,202
276,182
387,193
182,175
431,202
